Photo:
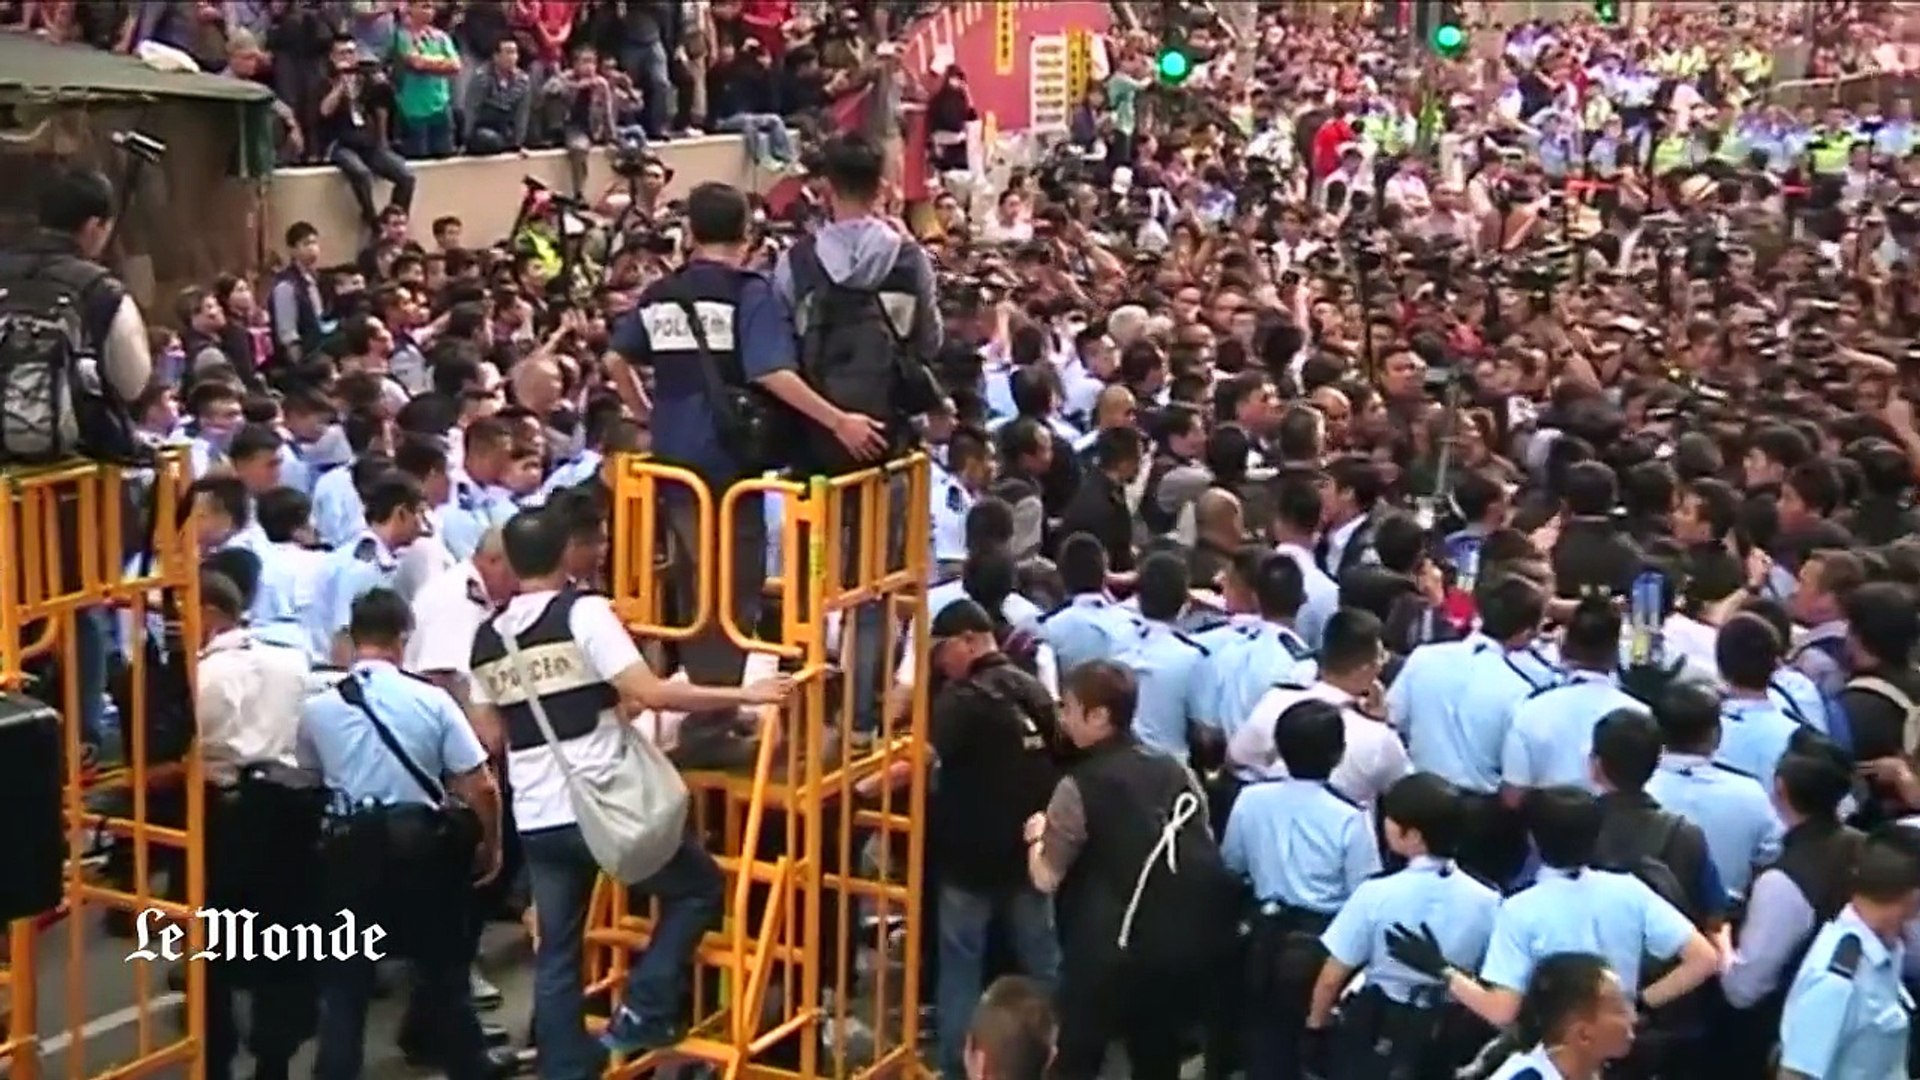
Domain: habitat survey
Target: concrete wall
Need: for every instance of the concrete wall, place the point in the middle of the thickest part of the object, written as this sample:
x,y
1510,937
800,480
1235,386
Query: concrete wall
x,y
484,193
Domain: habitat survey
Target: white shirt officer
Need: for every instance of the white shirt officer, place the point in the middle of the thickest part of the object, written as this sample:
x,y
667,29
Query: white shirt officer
x,y
248,692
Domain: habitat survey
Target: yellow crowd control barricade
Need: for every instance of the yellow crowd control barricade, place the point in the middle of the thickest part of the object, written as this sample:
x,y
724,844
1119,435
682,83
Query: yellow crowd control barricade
x,y
815,969
76,1004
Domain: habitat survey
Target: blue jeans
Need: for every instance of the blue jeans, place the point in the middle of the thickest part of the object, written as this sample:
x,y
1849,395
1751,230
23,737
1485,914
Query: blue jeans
x,y
346,988
427,137
93,630
646,64
765,134
964,920
870,619
563,874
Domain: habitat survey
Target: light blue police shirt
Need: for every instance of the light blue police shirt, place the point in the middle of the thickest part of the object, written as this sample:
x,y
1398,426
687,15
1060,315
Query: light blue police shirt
x,y
289,580
1021,613
1552,733
1088,627
1323,594
1753,736
1532,1065
348,573
470,510
1840,1026
337,512
1613,916
1166,668
1799,698
1241,670
1490,684
572,472
1731,808
1433,892
1300,843
338,740
1422,697
294,472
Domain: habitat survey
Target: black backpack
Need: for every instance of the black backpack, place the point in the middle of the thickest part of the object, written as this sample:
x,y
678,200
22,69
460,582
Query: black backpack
x,y
853,355
1647,861
54,401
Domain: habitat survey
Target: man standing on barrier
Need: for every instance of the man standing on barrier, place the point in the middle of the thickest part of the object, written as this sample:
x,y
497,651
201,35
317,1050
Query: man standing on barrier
x,y
591,680
406,851
725,379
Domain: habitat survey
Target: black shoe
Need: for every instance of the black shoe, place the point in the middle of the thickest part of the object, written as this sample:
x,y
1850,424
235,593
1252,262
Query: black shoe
x,y
419,1052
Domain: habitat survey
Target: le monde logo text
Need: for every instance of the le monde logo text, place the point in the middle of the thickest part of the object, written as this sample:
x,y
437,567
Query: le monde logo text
x,y
238,935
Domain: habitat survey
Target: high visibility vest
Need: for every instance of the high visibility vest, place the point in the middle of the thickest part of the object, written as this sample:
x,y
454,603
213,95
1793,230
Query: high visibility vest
x,y
1733,147
1671,153
1829,152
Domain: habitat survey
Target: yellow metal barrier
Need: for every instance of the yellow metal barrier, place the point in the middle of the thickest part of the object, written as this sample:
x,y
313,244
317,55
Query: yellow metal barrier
x,y
815,971
65,528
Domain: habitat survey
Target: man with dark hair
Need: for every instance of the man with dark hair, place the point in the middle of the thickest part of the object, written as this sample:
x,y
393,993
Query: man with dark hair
x,y
715,322
864,301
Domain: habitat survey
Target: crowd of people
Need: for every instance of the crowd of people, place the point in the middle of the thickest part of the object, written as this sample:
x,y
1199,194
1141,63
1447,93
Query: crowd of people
x,y
1425,560
370,85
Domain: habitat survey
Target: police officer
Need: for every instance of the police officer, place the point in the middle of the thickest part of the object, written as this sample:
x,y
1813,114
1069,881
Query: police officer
x,y
1730,807
1456,719
396,514
1090,625
954,492
382,740
989,528
1802,891
1574,908
1754,730
263,821
1304,848
1263,653
1401,1026
1847,1015
713,325
1576,1019
1552,730
1165,661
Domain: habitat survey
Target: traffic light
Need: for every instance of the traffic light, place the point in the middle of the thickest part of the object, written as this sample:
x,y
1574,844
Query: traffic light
x,y
1172,64
1448,39
1607,11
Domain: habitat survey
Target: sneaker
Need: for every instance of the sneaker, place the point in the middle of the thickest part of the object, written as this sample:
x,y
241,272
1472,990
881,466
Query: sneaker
x,y
485,995
629,1036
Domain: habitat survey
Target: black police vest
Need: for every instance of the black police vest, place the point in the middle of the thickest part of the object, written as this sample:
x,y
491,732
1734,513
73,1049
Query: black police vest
x,y
1181,917
563,680
306,317
1817,856
1157,518
679,376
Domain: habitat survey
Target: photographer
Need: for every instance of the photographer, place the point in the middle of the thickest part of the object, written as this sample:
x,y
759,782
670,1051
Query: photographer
x,y
353,129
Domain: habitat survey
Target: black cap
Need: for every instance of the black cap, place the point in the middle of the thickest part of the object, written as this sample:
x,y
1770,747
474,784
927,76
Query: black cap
x,y
962,616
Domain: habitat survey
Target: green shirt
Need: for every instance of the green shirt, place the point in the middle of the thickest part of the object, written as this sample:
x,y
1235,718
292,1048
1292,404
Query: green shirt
x,y
420,95
1122,90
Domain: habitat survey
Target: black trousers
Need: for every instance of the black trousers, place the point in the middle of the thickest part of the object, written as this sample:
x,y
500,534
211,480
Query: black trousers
x,y
282,1009
1148,1009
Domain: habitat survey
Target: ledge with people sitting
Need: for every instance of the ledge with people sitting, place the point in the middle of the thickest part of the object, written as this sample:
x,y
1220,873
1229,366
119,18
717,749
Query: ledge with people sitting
x,y
485,192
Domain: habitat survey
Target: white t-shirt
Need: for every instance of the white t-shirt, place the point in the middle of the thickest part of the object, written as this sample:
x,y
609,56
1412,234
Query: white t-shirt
x,y
1374,758
247,701
444,622
539,787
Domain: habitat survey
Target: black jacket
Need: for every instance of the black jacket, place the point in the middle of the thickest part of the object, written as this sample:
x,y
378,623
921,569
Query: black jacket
x,y
996,734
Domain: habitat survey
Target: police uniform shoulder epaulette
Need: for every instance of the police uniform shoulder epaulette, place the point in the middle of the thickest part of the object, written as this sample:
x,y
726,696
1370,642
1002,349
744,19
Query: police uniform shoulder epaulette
x,y
1188,638
955,500
1287,685
1539,690
367,550
1055,610
1846,956
1208,623
1735,770
1528,1073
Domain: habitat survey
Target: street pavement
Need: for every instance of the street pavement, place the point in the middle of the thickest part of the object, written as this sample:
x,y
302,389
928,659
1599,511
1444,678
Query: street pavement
x,y
109,1031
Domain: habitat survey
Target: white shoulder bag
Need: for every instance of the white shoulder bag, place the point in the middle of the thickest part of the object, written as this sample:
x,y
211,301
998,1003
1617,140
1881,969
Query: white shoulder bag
x,y
633,815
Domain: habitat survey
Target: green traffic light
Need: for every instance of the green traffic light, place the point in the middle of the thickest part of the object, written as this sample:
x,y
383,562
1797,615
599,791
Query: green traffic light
x,y
1449,39
1606,11
1173,65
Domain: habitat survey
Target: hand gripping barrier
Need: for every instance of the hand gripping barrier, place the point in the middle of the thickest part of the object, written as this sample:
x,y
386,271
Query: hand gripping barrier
x,y
815,970
64,585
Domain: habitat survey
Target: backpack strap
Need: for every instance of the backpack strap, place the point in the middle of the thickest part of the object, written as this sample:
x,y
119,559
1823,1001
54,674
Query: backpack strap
x,y
1873,684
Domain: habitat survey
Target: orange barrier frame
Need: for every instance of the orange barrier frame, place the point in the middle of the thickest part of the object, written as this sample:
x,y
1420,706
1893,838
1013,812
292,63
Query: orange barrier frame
x,y
764,979
33,529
